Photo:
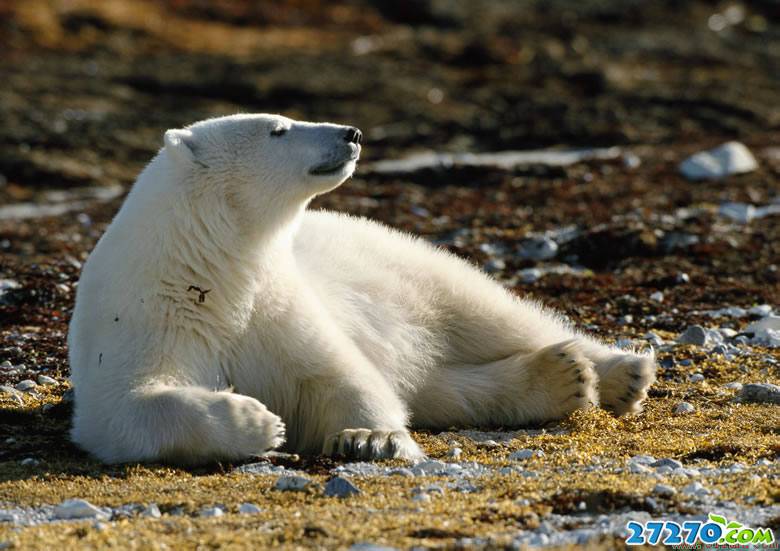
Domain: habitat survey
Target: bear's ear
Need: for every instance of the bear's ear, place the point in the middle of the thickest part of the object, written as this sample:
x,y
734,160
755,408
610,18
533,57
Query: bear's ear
x,y
180,145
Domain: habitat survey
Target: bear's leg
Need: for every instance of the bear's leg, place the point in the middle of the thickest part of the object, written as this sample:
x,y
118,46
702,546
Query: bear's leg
x,y
522,388
354,413
191,425
624,377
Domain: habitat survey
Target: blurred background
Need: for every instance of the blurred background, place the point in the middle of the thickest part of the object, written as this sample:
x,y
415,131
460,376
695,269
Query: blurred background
x,y
88,88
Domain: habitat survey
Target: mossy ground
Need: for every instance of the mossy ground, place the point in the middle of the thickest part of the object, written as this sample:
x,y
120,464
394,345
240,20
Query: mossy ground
x,y
720,432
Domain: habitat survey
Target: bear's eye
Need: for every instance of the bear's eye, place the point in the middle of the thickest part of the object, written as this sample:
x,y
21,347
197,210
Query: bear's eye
x,y
278,131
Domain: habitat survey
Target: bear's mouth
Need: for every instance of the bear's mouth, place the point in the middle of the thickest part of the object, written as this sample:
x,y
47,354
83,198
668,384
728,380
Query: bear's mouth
x,y
331,167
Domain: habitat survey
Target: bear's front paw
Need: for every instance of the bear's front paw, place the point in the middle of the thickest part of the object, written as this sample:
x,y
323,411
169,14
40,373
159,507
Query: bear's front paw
x,y
372,444
247,427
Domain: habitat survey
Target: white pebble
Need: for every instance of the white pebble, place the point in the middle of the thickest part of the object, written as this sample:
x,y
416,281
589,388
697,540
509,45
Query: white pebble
x,y
724,160
26,385
455,453
249,509
522,455
211,512
152,511
45,380
292,483
696,378
684,408
78,508
658,296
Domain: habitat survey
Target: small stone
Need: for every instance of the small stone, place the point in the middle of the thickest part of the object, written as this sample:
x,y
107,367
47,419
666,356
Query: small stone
x,y
694,334
695,489
658,296
488,444
13,393
430,467
653,339
403,471
638,468
733,386
29,462
682,277
664,490
292,483
78,508
151,511
454,453
642,460
739,212
421,497
530,275
727,332
340,487
538,248
760,310
26,385
371,547
6,365
696,378
761,393
667,462
684,408
249,509
45,380
726,159
211,512
495,265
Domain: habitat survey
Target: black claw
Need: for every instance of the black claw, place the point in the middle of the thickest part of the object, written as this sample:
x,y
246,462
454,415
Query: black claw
x,y
561,354
580,379
579,394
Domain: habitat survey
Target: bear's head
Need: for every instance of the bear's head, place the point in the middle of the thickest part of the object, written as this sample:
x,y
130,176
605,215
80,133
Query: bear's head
x,y
264,161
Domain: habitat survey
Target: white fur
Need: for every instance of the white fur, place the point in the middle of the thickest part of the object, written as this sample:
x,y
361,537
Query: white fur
x,y
216,313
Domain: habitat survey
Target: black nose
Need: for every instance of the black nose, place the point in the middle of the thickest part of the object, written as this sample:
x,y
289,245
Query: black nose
x,y
353,135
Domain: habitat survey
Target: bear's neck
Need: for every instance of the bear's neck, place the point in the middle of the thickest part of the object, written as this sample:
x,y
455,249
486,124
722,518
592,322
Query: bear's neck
x,y
216,269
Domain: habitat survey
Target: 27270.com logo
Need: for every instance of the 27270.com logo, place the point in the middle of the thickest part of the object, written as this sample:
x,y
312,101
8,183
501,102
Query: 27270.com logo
x,y
717,530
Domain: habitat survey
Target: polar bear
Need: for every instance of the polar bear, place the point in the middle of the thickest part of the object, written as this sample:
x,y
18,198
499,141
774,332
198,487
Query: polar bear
x,y
217,318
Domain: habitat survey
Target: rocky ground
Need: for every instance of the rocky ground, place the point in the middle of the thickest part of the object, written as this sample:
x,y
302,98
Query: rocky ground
x,y
614,235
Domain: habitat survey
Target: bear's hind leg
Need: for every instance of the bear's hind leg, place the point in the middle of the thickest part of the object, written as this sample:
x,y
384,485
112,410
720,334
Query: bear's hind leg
x,y
523,388
185,425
